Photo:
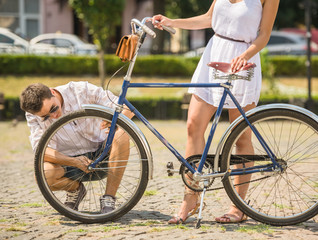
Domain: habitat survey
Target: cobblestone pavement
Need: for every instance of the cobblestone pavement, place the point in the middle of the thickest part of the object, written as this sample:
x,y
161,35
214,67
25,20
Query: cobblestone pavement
x,y
26,215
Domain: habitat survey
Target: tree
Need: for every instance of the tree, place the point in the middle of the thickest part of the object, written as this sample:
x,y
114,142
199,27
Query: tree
x,y
291,13
188,8
158,42
102,17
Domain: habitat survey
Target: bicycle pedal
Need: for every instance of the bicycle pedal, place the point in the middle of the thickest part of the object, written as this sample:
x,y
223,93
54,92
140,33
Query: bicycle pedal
x,y
170,169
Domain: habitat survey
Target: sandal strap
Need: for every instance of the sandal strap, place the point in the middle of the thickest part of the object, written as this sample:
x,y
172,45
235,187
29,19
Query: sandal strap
x,y
176,220
188,191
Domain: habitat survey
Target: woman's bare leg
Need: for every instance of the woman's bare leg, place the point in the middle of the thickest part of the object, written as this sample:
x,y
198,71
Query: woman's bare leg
x,y
199,115
243,146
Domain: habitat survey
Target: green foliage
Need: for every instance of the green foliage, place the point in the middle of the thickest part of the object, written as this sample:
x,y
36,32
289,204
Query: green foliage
x,y
101,16
291,13
165,65
186,8
158,65
293,65
268,72
35,64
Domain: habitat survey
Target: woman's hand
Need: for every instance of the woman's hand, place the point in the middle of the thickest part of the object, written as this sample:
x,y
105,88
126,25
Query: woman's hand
x,y
159,20
238,63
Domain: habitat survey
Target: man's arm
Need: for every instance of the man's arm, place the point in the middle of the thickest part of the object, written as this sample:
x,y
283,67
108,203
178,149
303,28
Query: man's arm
x,y
53,156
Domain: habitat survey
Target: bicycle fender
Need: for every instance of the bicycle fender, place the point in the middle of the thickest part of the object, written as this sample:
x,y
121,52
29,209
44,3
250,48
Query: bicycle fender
x,y
251,112
133,126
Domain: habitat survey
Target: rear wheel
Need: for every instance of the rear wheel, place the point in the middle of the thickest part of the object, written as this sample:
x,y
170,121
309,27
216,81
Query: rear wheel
x,y
283,197
64,135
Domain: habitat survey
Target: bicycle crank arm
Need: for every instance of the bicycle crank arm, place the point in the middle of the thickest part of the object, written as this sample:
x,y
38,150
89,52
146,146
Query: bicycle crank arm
x,y
198,177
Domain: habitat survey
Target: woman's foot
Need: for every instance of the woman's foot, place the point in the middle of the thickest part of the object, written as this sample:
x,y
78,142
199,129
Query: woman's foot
x,y
188,207
233,216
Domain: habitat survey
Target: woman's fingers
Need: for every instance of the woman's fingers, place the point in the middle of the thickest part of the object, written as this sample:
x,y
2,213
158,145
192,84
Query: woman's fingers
x,y
157,21
237,64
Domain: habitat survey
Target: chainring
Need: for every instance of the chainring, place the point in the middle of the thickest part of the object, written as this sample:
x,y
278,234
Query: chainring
x,y
187,175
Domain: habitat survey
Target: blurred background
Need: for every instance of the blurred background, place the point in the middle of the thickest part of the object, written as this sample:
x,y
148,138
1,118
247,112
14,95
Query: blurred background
x,y
54,27
56,41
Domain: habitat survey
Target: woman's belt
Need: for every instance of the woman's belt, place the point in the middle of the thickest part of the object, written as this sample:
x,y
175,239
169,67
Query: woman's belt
x,y
230,39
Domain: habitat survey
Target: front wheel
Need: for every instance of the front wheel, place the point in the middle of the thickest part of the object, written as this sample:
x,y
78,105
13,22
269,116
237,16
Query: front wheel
x,y
283,196
83,133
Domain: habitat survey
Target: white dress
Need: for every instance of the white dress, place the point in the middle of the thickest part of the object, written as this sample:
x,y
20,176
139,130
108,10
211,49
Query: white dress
x,y
238,21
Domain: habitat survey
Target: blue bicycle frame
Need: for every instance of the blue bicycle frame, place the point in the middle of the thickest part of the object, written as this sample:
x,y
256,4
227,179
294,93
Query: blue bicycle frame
x,y
123,101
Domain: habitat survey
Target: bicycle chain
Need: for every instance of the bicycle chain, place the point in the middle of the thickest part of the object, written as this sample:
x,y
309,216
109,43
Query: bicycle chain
x,y
237,159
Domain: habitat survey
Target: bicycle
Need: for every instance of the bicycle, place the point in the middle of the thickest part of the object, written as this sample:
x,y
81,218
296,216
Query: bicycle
x,y
282,184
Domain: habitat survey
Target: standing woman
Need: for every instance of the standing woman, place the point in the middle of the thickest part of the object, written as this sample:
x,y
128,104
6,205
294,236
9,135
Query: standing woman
x,y
242,28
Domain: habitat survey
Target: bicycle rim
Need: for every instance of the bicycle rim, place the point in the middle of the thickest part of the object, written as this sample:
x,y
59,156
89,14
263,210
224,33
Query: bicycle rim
x,y
285,197
132,159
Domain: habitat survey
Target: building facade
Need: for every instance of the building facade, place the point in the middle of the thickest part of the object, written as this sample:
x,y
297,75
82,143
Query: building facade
x,y
29,18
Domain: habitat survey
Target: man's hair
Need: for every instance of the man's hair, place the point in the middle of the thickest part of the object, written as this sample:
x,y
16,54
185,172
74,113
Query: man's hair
x,y
31,99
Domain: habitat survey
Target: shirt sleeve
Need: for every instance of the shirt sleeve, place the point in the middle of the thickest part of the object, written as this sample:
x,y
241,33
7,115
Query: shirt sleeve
x,y
35,129
101,97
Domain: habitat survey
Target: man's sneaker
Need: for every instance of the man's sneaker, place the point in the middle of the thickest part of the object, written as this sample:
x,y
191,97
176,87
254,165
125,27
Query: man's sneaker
x,y
73,199
107,203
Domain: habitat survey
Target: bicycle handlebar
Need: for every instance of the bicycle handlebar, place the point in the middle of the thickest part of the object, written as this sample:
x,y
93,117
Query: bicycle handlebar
x,y
147,30
143,27
168,29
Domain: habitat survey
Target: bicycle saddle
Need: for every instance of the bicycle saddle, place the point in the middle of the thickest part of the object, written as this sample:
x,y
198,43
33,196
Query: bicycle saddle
x,y
226,67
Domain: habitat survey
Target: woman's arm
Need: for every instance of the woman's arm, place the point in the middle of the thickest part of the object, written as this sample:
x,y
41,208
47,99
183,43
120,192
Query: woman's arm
x,y
193,23
270,8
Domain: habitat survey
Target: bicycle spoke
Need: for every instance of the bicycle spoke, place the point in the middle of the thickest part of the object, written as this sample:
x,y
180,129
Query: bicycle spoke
x,y
288,195
124,165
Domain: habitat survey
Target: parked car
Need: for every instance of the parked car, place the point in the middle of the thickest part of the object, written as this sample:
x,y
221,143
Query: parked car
x,y
286,43
71,44
314,34
195,52
12,43
280,43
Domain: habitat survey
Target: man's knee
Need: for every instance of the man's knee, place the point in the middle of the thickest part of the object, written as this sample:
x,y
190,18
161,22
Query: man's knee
x,y
53,172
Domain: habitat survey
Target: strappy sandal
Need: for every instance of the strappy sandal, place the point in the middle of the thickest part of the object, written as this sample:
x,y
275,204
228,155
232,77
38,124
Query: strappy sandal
x,y
177,219
231,218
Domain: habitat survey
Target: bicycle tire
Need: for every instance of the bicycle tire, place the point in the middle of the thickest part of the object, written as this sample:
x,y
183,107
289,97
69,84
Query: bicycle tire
x,y
285,197
132,185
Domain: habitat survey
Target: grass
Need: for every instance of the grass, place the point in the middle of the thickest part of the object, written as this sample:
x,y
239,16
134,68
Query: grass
x,y
150,192
17,227
31,205
144,224
111,228
260,228
156,229
12,86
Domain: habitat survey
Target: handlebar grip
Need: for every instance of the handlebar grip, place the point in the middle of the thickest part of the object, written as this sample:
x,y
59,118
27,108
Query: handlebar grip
x,y
148,31
169,29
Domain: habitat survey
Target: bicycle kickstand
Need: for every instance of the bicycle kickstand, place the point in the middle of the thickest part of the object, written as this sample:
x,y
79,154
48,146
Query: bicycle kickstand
x,y
198,225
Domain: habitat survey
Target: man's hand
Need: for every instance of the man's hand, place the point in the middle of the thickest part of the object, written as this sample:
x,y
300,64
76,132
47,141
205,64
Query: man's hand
x,y
82,163
105,125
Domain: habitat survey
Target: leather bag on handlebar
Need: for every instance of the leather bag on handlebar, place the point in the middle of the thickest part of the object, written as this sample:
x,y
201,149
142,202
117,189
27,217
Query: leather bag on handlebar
x,y
127,47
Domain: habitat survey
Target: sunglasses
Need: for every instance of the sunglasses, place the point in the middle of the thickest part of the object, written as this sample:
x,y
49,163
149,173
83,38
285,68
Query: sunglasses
x,y
52,110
